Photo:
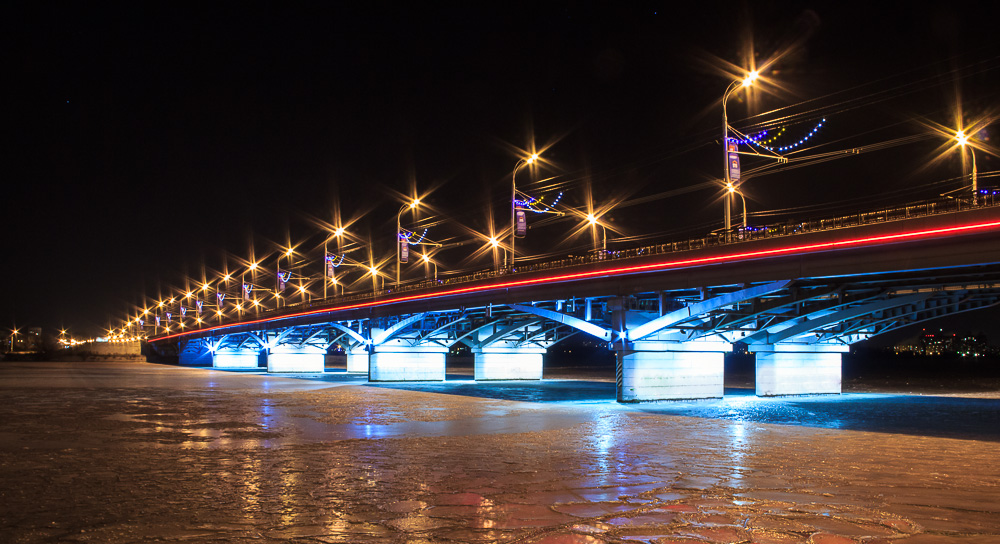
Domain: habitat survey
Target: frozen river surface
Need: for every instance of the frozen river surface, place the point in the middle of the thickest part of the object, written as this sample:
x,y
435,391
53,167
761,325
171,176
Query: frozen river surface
x,y
134,452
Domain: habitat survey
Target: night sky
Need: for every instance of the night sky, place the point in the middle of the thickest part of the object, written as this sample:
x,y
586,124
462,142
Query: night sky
x,y
145,141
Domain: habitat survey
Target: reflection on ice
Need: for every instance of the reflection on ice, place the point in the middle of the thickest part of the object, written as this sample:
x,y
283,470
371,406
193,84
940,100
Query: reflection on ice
x,y
394,464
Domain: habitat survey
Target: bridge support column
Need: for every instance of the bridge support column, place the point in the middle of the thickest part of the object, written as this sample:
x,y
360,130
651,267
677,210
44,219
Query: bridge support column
x,y
399,364
798,369
508,363
296,359
357,360
666,370
235,358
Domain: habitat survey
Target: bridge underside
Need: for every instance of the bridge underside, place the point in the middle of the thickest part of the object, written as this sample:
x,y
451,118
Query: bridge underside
x,y
668,344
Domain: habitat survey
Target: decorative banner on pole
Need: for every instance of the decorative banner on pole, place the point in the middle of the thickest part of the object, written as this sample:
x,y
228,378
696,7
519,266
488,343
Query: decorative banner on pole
x,y
157,321
168,317
404,249
283,278
184,311
142,323
520,223
198,304
734,162
247,287
221,297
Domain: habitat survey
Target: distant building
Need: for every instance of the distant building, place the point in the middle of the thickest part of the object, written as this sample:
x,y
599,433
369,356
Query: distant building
x,y
27,340
941,343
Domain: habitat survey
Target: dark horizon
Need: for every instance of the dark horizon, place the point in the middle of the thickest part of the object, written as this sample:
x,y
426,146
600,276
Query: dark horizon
x,y
152,140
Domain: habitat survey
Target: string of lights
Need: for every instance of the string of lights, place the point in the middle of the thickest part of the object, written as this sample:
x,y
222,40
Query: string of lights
x,y
537,205
407,235
759,139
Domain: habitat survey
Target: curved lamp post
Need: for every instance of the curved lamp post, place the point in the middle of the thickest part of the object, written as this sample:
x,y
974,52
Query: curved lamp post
x,y
513,205
733,87
962,140
328,276
399,239
730,189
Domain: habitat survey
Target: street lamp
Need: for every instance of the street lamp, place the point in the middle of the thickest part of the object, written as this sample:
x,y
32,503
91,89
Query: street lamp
x,y
730,189
495,245
513,205
245,294
374,272
328,275
278,283
592,219
962,140
427,261
733,87
401,240
222,288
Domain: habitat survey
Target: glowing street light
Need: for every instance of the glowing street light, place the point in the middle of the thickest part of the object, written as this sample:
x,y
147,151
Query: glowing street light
x,y
730,189
427,261
328,266
401,241
729,152
373,270
243,282
513,207
592,220
278,280
962,140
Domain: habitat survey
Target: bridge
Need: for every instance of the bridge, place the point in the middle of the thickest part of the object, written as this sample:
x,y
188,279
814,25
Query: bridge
x,y
797,296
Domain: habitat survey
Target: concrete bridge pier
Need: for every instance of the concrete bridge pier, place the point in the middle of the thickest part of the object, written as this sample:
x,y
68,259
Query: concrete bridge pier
x,y
394,363
289,358
238,358
357,360
669,370
798,369
508,363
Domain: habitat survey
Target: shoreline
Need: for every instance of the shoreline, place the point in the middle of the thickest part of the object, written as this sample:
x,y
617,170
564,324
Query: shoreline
x,y
918,383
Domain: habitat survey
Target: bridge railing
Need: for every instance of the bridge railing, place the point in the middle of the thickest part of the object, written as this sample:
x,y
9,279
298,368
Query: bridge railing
x,y
738,235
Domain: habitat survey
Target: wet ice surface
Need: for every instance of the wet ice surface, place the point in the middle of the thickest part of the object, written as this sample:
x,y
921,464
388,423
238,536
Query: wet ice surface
x,y
942,416
105,452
